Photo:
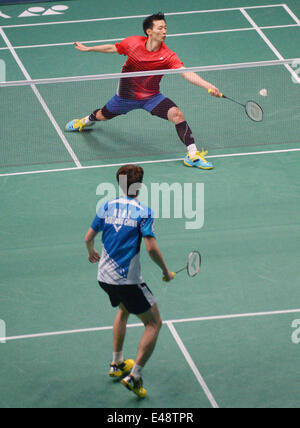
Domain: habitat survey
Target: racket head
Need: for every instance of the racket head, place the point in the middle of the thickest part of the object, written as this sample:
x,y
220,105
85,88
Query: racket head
x,y
194,263
254,111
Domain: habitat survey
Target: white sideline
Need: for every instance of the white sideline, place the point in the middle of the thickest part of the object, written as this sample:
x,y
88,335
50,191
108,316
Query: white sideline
x,y
40,99
227,155
195,319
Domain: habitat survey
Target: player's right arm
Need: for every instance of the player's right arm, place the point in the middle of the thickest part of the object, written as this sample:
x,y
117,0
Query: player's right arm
x,y
101,48
156,256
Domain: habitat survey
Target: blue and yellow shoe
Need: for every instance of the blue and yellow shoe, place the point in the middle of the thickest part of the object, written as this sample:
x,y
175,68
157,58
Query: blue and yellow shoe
x,y
198,161
77,125
134,385
118,370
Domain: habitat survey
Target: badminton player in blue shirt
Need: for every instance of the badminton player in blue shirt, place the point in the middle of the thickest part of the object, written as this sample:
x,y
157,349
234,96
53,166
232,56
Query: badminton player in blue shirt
x,y
124,222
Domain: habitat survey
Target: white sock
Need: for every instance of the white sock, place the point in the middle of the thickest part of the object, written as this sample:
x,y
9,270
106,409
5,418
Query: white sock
x,y
136,371
87,120
118,357
192,149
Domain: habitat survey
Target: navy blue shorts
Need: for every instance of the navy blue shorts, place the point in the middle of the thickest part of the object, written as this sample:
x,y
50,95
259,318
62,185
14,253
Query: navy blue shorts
x,y
117,105
137,298
158,105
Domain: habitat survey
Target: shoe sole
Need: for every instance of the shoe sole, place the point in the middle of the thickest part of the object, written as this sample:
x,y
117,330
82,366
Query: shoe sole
x,y
199,167
85,128
71,130
123,382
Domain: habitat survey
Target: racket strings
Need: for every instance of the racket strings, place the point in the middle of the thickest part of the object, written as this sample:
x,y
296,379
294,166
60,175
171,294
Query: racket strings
x,y
194,263
254,111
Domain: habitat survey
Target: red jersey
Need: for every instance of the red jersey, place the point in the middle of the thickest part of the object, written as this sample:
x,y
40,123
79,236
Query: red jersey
x,y
140,59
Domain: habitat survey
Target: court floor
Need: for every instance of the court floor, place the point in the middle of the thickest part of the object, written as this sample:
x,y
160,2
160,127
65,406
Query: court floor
x,y
228,338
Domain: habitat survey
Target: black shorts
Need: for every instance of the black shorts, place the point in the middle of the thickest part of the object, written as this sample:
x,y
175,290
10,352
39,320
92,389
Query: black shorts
x,y
137,298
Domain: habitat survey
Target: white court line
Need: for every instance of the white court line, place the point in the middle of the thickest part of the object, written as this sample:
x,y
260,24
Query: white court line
x,y
63,332
192,365
271,46
195,319
226,155
171,327
235,316
191,12
295,18
197,33
40,99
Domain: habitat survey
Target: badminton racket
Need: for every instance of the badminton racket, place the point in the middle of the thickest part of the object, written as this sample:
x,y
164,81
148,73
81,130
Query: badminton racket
x,y
193,265
252,109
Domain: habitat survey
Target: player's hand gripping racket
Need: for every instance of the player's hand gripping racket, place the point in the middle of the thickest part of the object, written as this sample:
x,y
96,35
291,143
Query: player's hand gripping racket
x,y
252,109
193,265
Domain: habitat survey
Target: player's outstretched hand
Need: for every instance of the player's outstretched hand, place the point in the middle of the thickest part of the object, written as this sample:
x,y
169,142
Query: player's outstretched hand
x,y
215,92
81,47
94,257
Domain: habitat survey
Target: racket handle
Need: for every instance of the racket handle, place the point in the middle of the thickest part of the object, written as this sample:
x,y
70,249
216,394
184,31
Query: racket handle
x,y
165,279
210,91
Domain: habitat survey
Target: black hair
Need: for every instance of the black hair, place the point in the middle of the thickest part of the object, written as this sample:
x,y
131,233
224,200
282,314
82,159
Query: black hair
x,y
134,177
148,22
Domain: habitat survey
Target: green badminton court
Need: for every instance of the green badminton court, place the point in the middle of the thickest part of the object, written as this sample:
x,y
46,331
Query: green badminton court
x,y
229,338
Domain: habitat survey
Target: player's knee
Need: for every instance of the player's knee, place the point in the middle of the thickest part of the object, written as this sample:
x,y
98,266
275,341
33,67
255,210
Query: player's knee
x,y
155,323
158,324
154,326
175,115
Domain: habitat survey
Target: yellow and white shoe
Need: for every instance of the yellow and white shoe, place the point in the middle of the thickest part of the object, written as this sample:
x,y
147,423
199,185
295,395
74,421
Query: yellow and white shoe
x,y
135,385
198,160
77,125
118,370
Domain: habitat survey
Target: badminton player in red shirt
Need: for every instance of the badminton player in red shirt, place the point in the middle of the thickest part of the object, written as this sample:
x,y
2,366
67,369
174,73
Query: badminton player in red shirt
x,y
144,54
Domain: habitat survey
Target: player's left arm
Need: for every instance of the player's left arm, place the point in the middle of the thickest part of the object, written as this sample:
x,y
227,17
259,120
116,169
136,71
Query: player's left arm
x,y
94,256
195,79
156,255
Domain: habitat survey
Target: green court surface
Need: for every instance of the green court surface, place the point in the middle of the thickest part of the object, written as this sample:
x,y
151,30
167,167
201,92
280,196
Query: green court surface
x,y
227,334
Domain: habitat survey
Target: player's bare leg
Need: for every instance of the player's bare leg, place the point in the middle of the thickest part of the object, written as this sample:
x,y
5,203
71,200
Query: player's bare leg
x,y
119,366
152,322
119,330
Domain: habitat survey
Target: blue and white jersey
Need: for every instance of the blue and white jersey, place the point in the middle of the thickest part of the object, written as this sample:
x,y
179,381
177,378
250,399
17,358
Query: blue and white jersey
x,y
123,222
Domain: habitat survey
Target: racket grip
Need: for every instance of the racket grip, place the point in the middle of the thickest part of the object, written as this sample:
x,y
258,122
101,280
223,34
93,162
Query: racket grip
x,y
210,91
165,279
